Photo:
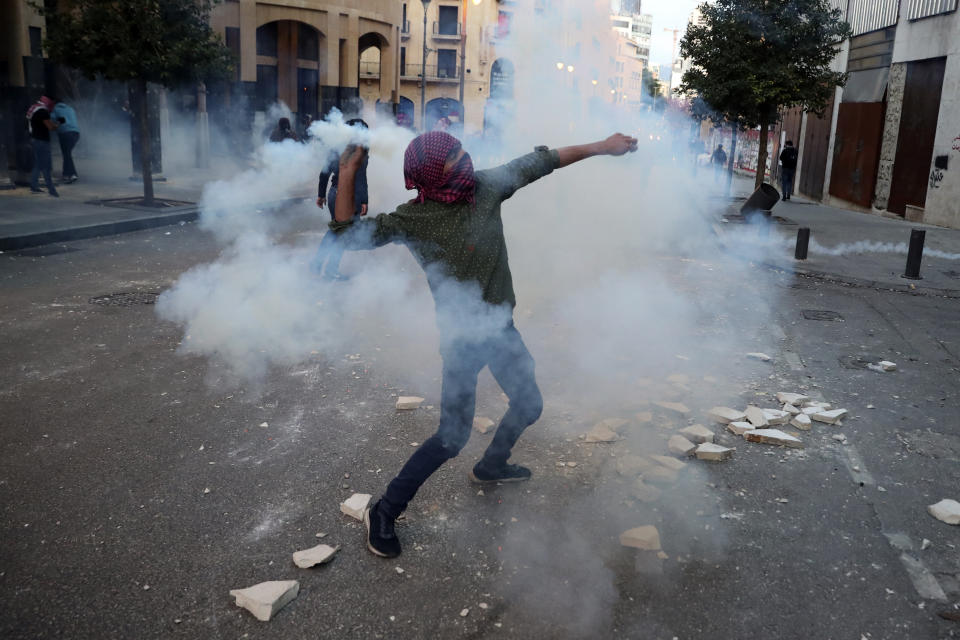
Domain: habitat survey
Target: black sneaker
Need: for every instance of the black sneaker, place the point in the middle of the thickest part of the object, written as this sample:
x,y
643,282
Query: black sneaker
x,y
381,537
506,473
32,190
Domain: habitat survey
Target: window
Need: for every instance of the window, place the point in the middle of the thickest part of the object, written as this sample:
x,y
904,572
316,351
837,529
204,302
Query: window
x,y
36,42
232,40
621,24
308,42
403,61
267,40
447,23
446,63
503,24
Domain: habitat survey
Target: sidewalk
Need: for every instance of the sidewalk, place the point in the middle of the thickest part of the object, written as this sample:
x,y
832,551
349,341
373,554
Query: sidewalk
x,y
832,228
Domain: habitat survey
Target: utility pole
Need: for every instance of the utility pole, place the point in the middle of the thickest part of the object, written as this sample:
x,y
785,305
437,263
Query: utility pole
x,y
423,71
463,59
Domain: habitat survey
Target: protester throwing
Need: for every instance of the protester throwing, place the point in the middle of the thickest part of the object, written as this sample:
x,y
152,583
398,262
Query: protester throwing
x,y
454,230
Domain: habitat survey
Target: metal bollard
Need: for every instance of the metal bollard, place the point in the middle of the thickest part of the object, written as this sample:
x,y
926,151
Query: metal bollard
x,y
915,255
803,239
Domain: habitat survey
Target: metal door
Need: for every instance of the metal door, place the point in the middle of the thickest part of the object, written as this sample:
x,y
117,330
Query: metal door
x,y
918,128
856,151
816,143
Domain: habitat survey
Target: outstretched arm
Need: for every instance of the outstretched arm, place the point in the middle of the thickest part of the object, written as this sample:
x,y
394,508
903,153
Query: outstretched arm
x,y
351,160
616,145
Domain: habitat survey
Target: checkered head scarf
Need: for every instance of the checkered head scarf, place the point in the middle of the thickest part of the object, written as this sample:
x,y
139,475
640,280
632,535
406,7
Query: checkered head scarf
x,y
423,170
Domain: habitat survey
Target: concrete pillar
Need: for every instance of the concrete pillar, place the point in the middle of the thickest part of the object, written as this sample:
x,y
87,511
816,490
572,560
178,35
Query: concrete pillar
x,y
248,41
389,68
891,133
330,74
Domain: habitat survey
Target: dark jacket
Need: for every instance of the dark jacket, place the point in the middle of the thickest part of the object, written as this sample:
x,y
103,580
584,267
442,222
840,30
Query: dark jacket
x,y
788,157
333,170
719,157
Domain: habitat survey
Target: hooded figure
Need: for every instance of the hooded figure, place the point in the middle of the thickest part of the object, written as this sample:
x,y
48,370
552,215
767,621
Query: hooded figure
x,y
423,170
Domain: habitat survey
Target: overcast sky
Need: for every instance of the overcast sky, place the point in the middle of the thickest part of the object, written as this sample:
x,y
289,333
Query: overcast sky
x,y
667,14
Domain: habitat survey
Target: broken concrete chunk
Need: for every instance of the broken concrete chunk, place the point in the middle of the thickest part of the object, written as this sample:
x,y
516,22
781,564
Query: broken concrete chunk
x,y
762,357
680,446
756,416
801,422
946,510
740,428
830,417
646,538
791,398
601,433
678,378
726,415
614,424
775,416
668,462
355,505
676,407
789,408
405,403
773,436
265,599
713,452
697,433
660,475
632,465
483,425
644,417
886,365
817,403
809,411
645,492
320,554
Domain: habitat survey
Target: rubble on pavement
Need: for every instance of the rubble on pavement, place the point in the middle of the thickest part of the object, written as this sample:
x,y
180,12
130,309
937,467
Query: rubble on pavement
x,y
680,446
713,452
645,538
739,428
265,599
483,425
802,422
406,403
756,416
697,433
773,436
794,399
320,554
946,510
757,355
676,407
355,505
833,416
726,415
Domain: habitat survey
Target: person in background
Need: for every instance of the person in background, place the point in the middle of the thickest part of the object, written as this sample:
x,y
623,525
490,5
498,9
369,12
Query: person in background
x,y
454,230
41,124
283,131
68,134
788,167
719,162
327,262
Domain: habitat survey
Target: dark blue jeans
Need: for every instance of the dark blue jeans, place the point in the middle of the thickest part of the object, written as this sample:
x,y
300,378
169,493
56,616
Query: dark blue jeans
x,y
42,163
512,367
786,181
68,140
330,252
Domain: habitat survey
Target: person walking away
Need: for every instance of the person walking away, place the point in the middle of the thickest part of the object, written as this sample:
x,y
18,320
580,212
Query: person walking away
x,y
788,167
719,160
454,230
283,131
41,124
331,250
68,134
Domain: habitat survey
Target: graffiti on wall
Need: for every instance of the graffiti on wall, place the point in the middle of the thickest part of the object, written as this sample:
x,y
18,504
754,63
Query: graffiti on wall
x,y
936,177
956,143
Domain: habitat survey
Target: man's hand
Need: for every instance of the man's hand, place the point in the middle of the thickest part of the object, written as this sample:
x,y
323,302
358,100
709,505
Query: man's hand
x,y
352,159
363,209
321,202
619,144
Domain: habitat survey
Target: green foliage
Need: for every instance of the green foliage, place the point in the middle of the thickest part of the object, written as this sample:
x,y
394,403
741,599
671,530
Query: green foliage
x,y
752,57
167,42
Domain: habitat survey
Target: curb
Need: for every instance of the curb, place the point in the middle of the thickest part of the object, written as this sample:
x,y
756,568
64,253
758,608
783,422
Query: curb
x,y
27,240
859,282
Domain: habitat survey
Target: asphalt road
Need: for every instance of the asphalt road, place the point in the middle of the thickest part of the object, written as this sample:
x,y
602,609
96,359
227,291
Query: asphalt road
x,y
110,441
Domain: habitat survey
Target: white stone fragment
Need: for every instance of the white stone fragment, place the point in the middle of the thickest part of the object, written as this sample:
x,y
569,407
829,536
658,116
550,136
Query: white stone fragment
x,y
697,433
726,415
773,436
886,365
818,403
405,403
355,505
830,417
676,407
265,599
668,462
762,357
680,446
776,416
740,428
483,425
946,510
464,613
756,416
660,475
601,433
809,411
713,452
631,465
792,410
320,554
646,538
791,398
801,422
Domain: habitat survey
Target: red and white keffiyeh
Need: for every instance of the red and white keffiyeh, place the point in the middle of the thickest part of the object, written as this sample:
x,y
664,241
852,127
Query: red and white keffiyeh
x,y
423,170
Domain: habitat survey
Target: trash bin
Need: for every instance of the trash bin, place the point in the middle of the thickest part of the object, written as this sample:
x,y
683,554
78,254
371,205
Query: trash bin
x,y
762,199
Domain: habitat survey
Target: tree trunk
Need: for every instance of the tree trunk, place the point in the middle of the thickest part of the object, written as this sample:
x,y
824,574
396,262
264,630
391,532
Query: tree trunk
x,y
146,145
762,153
733,153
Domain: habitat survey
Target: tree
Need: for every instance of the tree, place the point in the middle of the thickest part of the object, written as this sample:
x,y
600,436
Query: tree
x,y
751,58
166,42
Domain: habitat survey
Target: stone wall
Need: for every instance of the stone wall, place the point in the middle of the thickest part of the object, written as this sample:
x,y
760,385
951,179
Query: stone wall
x,y
891,130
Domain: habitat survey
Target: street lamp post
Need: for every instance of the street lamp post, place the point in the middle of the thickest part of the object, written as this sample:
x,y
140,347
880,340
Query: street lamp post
x,y
423,71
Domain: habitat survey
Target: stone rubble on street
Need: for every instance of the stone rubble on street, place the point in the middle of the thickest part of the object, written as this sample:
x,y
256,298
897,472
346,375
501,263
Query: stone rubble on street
x,y
406,403
756,416
676,407
739,428
832,416
697,433
713,452
265,599
680,446
645,538
946,510
801,421
355,505
757,355
794,399
726,415
483,425
773,436
320,554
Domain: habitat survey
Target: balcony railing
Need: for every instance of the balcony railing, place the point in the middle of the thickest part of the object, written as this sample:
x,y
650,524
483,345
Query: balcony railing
x,y
405,29
435,73
446,30
369,69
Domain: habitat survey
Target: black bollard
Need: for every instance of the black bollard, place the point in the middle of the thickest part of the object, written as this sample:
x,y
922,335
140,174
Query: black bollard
x,y
915,255
803,239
